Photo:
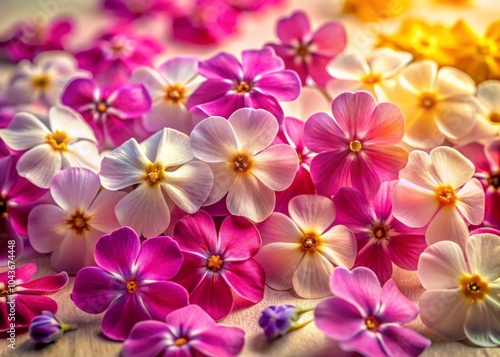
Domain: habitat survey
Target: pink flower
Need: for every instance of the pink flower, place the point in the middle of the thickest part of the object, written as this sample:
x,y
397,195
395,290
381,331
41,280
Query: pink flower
x,y
439,190
133,9
253,5
307,52
16,200
260,81
26,297
219,267
113,113
114,55
27,39
367,318
381,238
486,159
357,147
131,282
189,331
463,289
245,166
302,250
81,215
163,174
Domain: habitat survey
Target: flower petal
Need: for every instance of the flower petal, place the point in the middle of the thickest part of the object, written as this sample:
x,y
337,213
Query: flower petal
x,y
223,65
102,210
47,227
191,317
39,165
387,125
452,82
221,341
276,166
396,307
401,341
456,117
338,318
278,228
311,278
351,66
213,295
419,76
27,307
24,132
282,85
45,285
238,239
66,119
365,343
413,205
312,214
338,245
260,62
75,189
246,278
482,255
173,148
180,69
375,255
356,212
213,140
471,201
280,261
147,338
405,249
292,28
160,298
323,133
159,259
482,324
331,170
447,224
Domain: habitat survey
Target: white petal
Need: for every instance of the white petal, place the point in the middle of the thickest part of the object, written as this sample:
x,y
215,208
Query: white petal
x,y
75,189
338,245
311,213
151,79
189,185
168,115
419,76
276,166
471,201
420,171
452,82
482,324
312,278
350,66
255,129
39,165
447,224
24,132
179,69
102,211
20,90
250,198
47,227
387,62
173,148
144,210
82,154
413,205
456,117
214,140
280,261
278,228
224,177
75,252
335,87
451,166
66,119
441,265
483,251
488,93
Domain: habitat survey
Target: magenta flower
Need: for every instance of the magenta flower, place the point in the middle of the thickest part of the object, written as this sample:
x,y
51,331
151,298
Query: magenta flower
x,y
259,82
218,268
27,39
367,318
115,54
17,195
486,160
27,297
114,113
253,5
131,283
357,147
133,9
189,331
307,52
381,238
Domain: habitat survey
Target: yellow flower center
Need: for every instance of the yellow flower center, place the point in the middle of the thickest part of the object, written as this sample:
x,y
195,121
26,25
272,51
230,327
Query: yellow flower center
x,y
175,93
310,242
355,146
79,222
372,323
380,231
58,140
486,47
445,195
473,287
180,341
132,286
154,174
428,100
214,263
302,50
242,163
102,107
243,87
494,118
494,180
41,82
3,207
371,79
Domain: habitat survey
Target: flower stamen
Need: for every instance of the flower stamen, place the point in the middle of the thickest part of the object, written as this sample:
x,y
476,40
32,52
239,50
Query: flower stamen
x,y
494,118
214,263
102,107
302,50
474,287
58,140
380,232
132,286
355,146
41,82
309,242
154,174
175,93
372,323
494,181
3,207
242,163
181,341
79,222
243,87
370,79
446,195
427,100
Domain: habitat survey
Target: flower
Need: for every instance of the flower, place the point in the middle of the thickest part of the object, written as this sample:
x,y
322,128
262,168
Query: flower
x,y
162,169
17,197
259,82
245,167
374,10
47,328
301,251
486,160
307,52
113,113
131,282
189,331
27,39
42,81
381,238
254,5
62,142
357,147
133,9
170,87
27,298
277,321
70,228
439,190
462,289
437,104
367,318
374,74
217,268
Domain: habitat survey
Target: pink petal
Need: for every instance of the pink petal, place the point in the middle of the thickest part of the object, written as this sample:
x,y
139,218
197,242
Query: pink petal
x,y
279,228
293,130
356,212
405,250
221,341
475,153
23,273
338,245
322,133
134,93
79,93
209,91
492,213
353,112
29,306
260,63
447,224
330,39
317,69
420,171
222,65
413,205
471,202
404,342
375,256
330,171
192,272
365,342
386,125
293,28
159,259
246,278
492,153
191,317
382,201
213,295
75,251
312,214
276,166
282,85
47,227
338,318
222,106
238,239
75,189
102,210
395,306
302,185
258,100
196,233
160,298
45,285
147,338
213,140
310,280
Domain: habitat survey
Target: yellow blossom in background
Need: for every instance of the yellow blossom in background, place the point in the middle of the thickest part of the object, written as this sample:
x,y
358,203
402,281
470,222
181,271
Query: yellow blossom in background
x,y
455,2
375,10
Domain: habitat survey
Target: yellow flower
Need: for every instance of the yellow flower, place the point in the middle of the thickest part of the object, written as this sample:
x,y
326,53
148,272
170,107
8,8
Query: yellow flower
x,y
455,2
375,10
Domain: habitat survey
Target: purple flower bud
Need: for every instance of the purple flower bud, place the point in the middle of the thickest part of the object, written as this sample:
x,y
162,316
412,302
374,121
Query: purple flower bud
x,y
47,328
277,320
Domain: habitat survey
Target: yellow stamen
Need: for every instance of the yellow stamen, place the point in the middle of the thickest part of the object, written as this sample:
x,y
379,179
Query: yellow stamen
x,y
494,118
427,100
58,140
473,287
79,222
372,323
102,107
494,180
355,146
3,207
242,163
154,174
310,242
302,51
41,82
243,87
445,195
132,286
180,341
380,232
371,79
214,263
175,93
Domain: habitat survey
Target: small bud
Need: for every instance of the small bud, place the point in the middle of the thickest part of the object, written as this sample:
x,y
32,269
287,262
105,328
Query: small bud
x,y
277,321
47,328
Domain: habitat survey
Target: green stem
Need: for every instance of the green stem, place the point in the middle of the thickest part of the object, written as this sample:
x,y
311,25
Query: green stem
x,y
301,311
66,327
296,326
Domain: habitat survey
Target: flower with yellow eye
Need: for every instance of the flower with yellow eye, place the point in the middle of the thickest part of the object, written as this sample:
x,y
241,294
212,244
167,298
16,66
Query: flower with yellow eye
x,y
463,289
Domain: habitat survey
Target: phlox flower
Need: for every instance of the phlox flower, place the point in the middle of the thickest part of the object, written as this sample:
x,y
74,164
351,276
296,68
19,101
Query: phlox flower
x,y
134,9
218,268
357,147
375,73
64,140
47,328
486,159
463,289
131,282
439,190
437,104
188,331
170,87
301,251
374,10
245,167
42,81
162,172
70,228
260,81
114,113
308,52
253,5
367,318
27,297
381,238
